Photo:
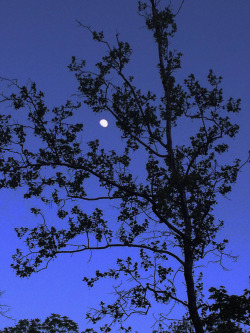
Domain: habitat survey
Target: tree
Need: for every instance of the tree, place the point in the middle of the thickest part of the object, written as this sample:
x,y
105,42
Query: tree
x,y
53,324
226,314
168,216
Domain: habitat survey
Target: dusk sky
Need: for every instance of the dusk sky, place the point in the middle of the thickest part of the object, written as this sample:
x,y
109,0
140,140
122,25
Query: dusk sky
x,y
38,39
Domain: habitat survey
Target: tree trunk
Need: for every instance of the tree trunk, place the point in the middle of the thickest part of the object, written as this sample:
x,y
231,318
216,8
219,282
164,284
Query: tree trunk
x,y
192,301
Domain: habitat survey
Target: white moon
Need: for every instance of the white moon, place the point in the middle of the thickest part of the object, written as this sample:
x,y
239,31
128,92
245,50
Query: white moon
x,y
104,123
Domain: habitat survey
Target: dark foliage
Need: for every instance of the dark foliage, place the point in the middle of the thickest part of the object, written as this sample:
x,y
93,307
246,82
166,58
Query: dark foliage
x,y
53,324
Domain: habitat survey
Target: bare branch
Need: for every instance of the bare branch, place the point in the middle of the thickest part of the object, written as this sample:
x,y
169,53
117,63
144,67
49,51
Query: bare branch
x,y
140,246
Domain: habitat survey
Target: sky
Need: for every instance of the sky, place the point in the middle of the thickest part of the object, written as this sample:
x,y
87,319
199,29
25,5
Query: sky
x,y
38,39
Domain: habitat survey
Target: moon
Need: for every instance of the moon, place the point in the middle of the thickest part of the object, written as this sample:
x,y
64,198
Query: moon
x,y
104,123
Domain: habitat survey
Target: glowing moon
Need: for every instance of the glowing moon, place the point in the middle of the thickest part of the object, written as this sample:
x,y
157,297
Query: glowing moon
x,y
104,123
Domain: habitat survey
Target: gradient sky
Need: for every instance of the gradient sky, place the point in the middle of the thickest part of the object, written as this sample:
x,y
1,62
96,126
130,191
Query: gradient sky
x,y
37,40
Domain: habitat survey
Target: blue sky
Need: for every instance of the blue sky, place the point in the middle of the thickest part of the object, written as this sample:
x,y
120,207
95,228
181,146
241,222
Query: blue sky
x,y
37,41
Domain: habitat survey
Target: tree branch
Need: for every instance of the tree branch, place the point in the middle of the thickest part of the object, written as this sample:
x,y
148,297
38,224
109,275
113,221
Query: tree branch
x,y
146,247
168,294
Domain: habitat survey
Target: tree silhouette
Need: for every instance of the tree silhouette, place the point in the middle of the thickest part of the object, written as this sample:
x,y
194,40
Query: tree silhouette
x,y
226,314
53,324
167,217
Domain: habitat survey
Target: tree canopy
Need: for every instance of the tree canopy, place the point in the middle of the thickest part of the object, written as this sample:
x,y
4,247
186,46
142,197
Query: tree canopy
x,y
53,324
165,210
